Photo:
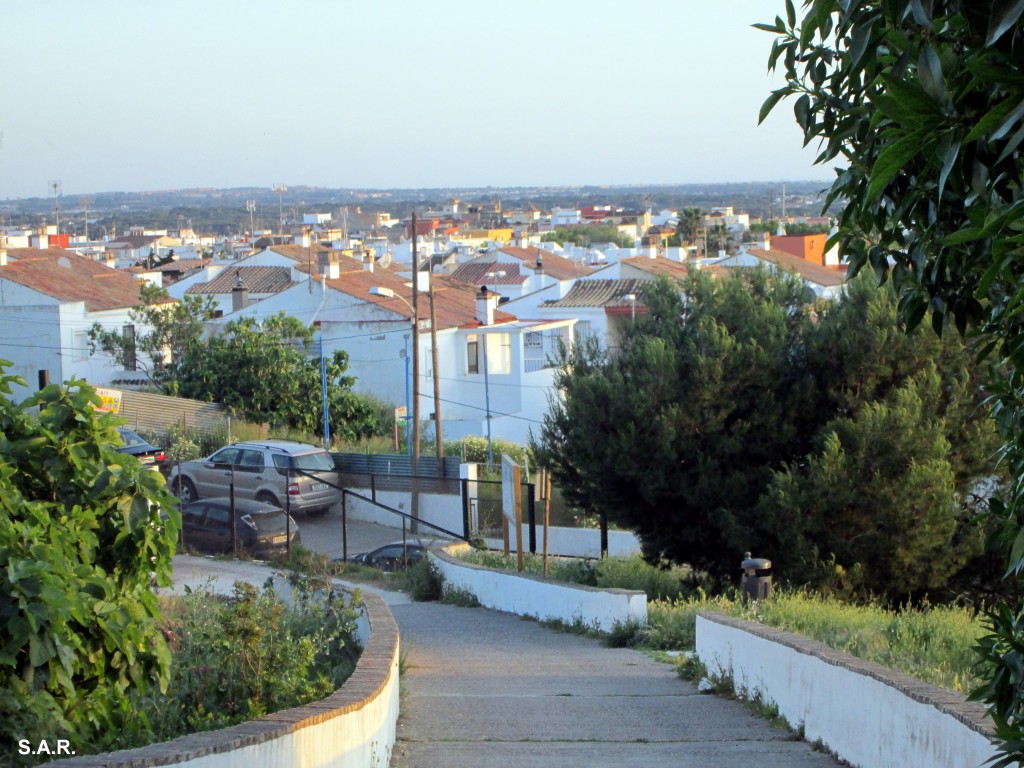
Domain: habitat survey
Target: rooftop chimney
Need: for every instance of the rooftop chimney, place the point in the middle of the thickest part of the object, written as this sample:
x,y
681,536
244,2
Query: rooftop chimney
x,y
3,257
766,243
485,304
367,262
239,294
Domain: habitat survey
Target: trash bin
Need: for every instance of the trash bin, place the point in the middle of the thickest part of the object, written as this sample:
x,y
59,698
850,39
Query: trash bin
x,y
756,581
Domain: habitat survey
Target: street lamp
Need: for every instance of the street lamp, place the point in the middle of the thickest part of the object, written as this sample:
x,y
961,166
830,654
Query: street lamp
x,y
410,421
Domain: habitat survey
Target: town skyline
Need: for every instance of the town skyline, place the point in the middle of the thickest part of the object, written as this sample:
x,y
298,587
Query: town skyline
x,y
229,95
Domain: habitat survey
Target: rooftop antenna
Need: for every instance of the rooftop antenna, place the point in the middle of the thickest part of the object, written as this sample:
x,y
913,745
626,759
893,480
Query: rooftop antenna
x,y
86,203
280,189
250,206
55,190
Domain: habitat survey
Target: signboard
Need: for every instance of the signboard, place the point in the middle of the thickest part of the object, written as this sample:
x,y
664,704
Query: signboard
x,y
511,501
401,412
110,400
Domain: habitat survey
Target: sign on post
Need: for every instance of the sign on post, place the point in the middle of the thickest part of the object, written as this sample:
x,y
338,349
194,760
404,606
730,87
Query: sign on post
x,y
511,501
110,400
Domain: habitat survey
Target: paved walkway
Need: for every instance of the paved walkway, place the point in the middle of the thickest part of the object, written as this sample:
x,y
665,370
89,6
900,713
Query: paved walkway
x,y
484,688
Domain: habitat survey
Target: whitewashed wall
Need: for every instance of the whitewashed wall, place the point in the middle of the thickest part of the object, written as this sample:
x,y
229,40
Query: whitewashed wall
x,y
868,715
527,595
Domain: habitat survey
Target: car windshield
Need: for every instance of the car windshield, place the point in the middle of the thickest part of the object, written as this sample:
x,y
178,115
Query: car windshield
x,y
268,520
130,439
320,461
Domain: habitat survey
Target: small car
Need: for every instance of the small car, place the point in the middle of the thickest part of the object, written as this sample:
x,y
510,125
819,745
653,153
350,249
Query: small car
x,y
261,529
144,451
391,557
286,474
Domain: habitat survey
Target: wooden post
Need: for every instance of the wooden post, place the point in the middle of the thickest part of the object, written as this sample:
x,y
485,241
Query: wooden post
x,y
547,515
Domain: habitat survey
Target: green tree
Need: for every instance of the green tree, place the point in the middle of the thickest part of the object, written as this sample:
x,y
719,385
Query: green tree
x,y
267,373
874,508
165,328
921,102
81,536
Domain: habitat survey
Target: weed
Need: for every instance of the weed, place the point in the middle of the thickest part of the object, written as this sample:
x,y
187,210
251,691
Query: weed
x,y
458,596
422,581
624,634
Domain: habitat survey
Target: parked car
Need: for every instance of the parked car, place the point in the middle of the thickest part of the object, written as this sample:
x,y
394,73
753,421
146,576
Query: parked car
x,y
391,557
294,476
144,451
261,529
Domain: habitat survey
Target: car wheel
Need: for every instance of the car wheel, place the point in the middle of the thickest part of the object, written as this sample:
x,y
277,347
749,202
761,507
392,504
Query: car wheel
x,y
267,498
186,490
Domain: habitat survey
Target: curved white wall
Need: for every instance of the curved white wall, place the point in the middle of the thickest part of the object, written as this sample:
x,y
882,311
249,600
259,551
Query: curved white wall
x,y
528,595
870,716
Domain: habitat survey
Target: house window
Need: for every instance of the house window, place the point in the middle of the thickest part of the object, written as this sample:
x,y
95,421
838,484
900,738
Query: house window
x,y
472,355
129,361
81,346
582,330
534,340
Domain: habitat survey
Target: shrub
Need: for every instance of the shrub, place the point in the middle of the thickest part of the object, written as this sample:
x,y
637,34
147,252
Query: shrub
x,y
422,581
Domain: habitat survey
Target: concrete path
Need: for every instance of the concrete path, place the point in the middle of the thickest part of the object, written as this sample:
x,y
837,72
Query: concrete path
x,y
484,688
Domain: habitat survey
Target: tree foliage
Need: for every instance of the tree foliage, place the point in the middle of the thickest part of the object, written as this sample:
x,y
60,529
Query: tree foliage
x,y
271,373
81,536
165,328
923,105
728,412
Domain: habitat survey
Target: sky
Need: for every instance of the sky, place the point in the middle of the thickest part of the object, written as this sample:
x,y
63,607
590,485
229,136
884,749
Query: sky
x,y
137,95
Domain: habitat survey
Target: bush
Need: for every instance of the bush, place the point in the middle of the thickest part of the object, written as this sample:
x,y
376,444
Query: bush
x,y
422,581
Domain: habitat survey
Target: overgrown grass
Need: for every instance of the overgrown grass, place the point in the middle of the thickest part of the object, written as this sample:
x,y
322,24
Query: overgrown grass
x,y
237,658
931,643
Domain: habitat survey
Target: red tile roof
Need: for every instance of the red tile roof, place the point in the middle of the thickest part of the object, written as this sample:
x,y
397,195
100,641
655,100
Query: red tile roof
x,y
556,266
658,267
454,301
68,277
808,270
600,293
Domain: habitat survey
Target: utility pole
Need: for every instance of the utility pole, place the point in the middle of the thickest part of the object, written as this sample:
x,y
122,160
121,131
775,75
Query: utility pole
x,y
437,383
415,381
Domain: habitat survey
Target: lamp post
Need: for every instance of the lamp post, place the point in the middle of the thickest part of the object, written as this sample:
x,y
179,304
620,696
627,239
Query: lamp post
x,y
487,384
380,290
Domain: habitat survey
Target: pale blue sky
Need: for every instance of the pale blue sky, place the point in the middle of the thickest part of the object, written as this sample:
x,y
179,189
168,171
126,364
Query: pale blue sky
x,y
144,95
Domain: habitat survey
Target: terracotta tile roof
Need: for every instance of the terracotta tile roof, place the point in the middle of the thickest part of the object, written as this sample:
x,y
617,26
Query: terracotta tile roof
x,y
68,277
182,265
808,270
132,241
475,273
658,267
556,266
256,279
599,293
454,301
299,253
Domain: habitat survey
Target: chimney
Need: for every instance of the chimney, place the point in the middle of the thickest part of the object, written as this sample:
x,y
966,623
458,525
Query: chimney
x,y
485,304
766,243
239,294
3,257
367,262
333,270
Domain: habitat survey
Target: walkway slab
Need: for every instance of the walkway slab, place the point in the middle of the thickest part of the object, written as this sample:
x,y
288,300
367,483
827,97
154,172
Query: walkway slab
x,y
487,688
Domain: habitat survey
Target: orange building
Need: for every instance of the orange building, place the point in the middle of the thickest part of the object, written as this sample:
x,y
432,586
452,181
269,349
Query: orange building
x,y
808,247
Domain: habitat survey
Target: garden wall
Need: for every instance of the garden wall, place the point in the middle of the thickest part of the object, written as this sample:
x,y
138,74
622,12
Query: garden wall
x,y
529,595
352,728
574,542
868,715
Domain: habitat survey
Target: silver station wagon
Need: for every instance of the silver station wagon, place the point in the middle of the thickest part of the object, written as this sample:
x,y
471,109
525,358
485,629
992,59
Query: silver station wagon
x,y
293,476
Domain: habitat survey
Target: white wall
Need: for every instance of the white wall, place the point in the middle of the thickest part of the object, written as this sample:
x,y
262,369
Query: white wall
x,y
573,542
535,596
866,714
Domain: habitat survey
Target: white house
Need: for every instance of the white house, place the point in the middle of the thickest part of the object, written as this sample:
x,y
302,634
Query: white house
x,y
49,299
824,281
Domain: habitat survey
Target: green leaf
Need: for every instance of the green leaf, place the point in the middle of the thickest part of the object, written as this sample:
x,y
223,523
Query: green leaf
x,y
892,159
1004,15
802,111
773,28
950,152
930,70
791,13
770,102
859,43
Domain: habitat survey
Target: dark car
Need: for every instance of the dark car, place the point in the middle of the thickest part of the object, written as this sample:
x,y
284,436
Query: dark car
x,y
144,451
261,529
391,557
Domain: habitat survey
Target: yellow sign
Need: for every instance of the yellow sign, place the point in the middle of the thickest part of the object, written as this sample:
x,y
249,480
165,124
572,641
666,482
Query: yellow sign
x,y
110,399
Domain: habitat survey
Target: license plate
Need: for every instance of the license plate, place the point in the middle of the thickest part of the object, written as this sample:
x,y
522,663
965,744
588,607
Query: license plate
x,y
318,487
279,539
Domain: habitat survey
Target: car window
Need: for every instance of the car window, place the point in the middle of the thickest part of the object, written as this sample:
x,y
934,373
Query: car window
x,y
217,517
193,513
130,439
393,551
319,461
281,462
225,456
250,460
